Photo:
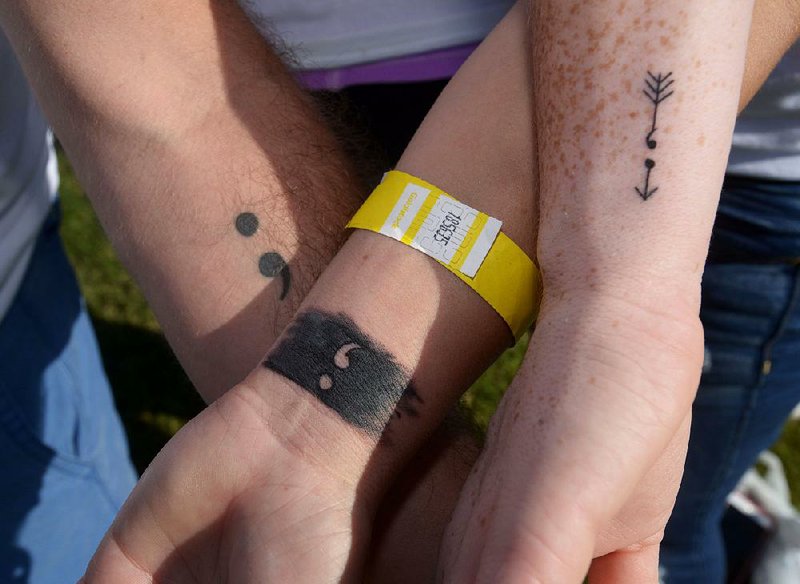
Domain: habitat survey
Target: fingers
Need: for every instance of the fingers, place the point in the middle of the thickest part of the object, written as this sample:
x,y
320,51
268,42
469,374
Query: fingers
x,y
637,566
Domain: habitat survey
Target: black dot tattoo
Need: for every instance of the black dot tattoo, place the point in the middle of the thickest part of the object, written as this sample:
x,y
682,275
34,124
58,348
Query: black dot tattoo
x,y
658,88
246,224
270,264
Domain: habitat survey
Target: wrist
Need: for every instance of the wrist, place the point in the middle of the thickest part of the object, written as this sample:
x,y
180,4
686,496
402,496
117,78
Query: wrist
x,y
302,427
381,349
603,340
671,294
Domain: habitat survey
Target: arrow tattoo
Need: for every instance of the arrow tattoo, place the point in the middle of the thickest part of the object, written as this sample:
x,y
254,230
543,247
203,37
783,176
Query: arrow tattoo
x,y
645,192
658,89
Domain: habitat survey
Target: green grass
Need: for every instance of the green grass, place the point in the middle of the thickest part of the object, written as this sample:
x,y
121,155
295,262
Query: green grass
x,y
153,394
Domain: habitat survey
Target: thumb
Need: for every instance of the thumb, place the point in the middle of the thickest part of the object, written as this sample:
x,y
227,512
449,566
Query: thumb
x,y
110,565
633,566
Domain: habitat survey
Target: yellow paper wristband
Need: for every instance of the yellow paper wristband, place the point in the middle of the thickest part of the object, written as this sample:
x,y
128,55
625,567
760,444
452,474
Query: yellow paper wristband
x,y
465,241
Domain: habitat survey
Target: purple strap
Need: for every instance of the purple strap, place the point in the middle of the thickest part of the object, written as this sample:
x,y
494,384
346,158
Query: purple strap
x,y
441,64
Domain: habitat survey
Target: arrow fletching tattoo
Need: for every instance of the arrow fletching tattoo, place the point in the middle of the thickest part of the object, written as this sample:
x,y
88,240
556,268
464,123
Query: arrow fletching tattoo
x,y
658,88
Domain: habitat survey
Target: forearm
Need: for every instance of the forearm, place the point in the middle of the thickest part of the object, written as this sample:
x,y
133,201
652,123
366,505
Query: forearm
x,y
178,117
628,196
435,334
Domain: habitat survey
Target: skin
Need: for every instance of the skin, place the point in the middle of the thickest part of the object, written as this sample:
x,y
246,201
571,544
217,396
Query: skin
x,y
173,145
615,359
447,340
159,505
444,342
505,154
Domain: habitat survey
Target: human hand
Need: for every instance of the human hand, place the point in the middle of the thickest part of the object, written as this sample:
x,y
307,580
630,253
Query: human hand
x,y
243,494
580,461
228,482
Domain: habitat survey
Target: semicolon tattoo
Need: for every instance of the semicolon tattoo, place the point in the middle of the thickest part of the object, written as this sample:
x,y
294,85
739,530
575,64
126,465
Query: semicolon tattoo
x,y
658,88
270,264
330,357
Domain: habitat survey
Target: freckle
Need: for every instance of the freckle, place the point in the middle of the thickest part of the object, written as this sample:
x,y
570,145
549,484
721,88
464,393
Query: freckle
x,y
662,23
601,105
615,324
701,140
592,380
614,97
633,115
627,85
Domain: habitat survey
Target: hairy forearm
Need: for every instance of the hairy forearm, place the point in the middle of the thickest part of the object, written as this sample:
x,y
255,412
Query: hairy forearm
x,y
178,118
387,335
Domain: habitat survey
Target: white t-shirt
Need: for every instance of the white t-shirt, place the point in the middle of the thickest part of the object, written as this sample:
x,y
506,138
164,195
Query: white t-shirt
x,y
766,141
324,34
28,174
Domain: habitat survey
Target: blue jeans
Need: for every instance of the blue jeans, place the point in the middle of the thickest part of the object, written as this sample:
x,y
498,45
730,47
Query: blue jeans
x,y
751,381
63,452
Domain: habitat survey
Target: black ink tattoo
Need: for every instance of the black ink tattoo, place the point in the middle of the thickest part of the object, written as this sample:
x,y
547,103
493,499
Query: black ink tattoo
x,y
646,192
246,224
270,264
658,90
330,357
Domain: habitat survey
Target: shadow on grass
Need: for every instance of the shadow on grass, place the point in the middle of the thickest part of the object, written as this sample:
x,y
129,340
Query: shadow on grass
x,y
153,395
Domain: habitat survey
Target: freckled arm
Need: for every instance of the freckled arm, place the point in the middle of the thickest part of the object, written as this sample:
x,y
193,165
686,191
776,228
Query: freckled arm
x,y
634,105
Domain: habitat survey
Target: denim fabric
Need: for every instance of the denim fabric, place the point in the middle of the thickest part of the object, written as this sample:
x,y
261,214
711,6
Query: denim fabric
x,y
63,452
751,382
